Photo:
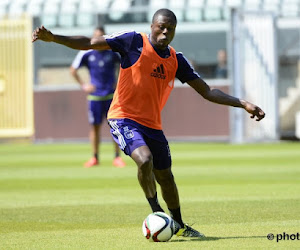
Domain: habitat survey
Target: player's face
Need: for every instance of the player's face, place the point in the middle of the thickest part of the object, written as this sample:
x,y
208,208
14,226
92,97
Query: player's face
x,y
162,31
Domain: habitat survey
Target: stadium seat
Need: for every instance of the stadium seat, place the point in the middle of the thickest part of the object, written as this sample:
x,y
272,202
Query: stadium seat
x,y
213,10
289,2
272,5
178,7
102,6
253,5
18,2
86,14
229,4
34,7
36,1
233,3
50,13
118,10
4,2
194,12
67,14
16,8
154,5
289,10
3,6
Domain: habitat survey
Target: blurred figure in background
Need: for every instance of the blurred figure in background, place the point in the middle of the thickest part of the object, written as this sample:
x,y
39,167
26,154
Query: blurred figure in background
x,y
221,69
102,69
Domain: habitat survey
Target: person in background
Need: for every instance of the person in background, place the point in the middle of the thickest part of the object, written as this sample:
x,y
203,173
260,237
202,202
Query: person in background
x,y
102,69
221,69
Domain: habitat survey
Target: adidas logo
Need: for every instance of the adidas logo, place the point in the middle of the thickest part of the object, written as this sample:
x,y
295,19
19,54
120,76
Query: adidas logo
x,y
159,72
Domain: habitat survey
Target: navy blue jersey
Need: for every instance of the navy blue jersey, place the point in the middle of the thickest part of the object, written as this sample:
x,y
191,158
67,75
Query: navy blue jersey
x,y
101,66
130,44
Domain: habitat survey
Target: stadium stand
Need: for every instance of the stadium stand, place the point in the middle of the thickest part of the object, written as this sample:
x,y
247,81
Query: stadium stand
x,y
82,13
186,10
205,22
208,17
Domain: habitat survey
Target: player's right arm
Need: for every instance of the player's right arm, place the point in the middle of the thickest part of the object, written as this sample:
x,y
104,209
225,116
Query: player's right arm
x,y
74,42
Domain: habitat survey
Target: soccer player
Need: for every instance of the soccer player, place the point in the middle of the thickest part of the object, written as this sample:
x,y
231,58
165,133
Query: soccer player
x,y
149,66
102,69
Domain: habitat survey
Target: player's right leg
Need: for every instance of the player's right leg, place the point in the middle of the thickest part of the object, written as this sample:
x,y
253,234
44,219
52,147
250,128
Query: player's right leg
x,y
143,159
94,140
94,116
131,141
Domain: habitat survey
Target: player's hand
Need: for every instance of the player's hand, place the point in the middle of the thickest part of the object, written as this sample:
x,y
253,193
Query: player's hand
x,y
43,34
88,88
254,110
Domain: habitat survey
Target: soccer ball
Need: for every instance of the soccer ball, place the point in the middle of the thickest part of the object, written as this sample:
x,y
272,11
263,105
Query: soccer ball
x,y
158,227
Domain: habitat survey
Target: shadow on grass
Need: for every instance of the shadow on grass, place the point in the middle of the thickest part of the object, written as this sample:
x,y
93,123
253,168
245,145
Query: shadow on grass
x,y
218,238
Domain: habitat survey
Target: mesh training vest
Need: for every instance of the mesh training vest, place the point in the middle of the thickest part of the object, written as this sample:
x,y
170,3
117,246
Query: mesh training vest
x,y
143,89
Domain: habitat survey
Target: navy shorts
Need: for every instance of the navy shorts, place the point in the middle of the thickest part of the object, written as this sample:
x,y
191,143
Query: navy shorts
x,y
97,110
130,135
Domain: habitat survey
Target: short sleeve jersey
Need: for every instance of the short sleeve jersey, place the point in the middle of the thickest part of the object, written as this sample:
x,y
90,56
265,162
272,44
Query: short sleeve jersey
x,y
101,66
130,44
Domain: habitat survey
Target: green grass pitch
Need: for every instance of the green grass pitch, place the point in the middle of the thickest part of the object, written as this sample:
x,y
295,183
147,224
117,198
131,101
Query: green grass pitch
x,y
235,194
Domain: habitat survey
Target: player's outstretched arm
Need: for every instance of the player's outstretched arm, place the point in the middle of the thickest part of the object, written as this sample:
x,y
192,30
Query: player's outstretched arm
x,y
74,42
217,96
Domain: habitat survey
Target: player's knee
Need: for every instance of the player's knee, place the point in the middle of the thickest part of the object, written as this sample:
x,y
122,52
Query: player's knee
x,y
164,177
142,157
145,166
146,162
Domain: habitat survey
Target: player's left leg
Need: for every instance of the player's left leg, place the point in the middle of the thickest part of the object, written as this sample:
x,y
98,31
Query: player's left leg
x,y
164,176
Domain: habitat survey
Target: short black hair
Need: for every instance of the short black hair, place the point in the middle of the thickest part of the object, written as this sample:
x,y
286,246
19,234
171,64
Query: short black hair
x,y
166,13
100,28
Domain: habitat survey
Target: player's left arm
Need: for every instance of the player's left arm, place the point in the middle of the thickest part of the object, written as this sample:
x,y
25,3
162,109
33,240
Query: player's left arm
x,y
217,96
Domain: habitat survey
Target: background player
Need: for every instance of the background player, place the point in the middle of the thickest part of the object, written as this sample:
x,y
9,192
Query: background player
x,y
148,69
221,68
102,69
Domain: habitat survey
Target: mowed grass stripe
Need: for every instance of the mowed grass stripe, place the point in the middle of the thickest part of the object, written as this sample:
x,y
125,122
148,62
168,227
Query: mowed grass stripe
x,y
199,193
96,216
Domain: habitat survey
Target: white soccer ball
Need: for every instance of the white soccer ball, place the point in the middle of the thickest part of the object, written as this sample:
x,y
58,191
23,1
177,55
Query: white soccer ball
x,y
158,227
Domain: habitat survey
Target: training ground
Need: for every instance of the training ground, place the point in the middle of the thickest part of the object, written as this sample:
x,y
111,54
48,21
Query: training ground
x,y
235,194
